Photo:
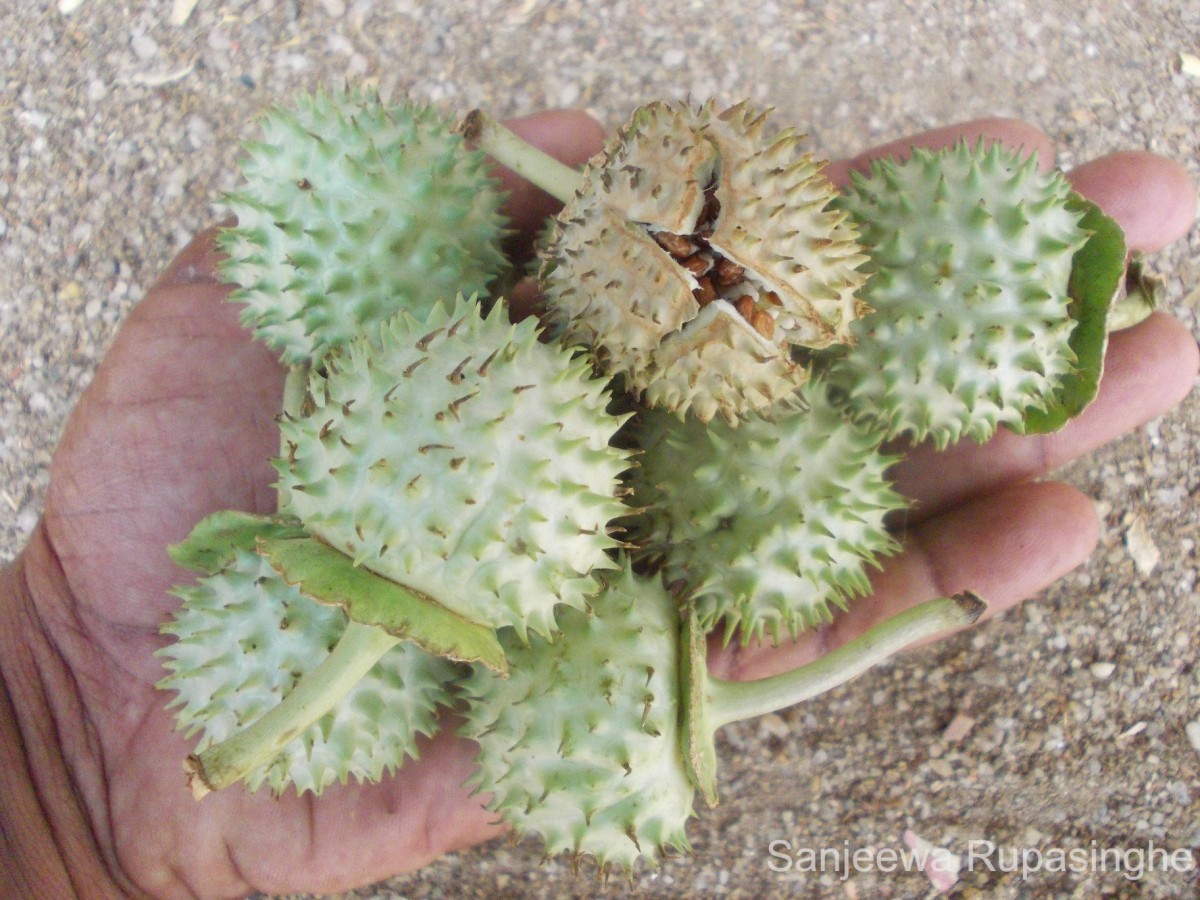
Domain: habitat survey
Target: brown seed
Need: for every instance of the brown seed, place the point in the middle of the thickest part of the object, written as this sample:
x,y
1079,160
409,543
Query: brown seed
x,y
675,244
745,306
705,293
763,323
728,273
712,206
773,299
698,264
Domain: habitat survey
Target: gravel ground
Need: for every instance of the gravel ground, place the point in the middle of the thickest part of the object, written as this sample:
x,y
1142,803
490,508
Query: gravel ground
x,y
1068,720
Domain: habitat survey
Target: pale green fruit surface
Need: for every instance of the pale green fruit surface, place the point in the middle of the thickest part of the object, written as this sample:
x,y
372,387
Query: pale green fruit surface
x,y
769,523
463,459
581,743
350,210
244,637
970,258
678,196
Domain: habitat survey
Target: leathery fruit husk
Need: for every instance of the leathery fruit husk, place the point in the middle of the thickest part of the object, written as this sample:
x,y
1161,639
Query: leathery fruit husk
x,y
700,258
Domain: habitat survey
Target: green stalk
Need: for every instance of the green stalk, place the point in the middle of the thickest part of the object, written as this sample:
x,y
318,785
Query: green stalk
x,y
555,178
709,702
1139,295
360,647
732,701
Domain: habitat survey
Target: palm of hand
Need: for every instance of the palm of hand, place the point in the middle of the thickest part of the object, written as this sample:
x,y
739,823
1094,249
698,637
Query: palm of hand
x,y
179,423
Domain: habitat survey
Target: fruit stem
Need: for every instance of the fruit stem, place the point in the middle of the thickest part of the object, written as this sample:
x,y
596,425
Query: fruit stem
x,y
1140,293
359,648
732,701
552,176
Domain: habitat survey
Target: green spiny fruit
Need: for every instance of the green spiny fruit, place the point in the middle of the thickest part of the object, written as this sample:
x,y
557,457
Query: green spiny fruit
x,y
352,210
244,637
597,742
697,253
463,459
581,742
767,523
970,257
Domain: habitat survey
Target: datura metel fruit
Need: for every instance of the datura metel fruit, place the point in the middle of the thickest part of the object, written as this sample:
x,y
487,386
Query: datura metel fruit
x,y
697,257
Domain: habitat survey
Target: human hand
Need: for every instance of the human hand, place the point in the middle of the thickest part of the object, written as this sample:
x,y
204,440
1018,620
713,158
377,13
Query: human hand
x,y
179,423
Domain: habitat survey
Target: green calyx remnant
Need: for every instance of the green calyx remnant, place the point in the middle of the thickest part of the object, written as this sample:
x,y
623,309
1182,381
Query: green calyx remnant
x,y
1097,272
212,543
1139,295
286,579
453,530
328,577
331,578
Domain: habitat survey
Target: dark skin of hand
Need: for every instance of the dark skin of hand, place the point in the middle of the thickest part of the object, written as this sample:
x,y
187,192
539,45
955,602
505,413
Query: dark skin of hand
x,y
179,422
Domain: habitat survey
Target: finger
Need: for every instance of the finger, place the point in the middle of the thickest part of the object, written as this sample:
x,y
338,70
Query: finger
x,y
525,300
1148,370
1005,548
404,822
1012,133
197,262
1152,198
572,137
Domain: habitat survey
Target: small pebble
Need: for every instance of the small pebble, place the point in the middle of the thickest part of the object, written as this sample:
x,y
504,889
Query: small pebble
x,y
941,768
1101,670
1031,837
774,725
1179,792
1192,730
673,58
143,46
941,866
1133,730
1141,546
960,726
181,11
70,292
33,118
